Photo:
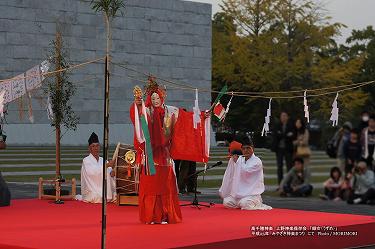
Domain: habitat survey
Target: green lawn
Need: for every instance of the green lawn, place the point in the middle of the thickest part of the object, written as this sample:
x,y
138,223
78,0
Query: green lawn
x,y
39,162
36,178
269,170
13,153
52,157
36,168
217,183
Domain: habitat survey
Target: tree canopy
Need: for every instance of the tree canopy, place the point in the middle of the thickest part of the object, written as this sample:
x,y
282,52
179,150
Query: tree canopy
x,y
284,45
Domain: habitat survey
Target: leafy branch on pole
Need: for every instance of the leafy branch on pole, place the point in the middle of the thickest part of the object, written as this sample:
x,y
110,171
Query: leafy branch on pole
x,y
109,8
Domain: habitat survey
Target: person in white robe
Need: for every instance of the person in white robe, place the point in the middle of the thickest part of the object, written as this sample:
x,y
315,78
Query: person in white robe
x,y
92,173
243,181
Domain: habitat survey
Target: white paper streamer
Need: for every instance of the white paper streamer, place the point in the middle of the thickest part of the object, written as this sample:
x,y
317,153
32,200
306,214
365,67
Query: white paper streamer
x,y
227,109
197,111
44,67
7,87
306,108
266,126
2,93
49,109
335,112
31,116
33,78
18,87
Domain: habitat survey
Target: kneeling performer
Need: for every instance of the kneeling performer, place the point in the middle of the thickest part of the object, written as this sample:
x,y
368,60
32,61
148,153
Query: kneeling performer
x,y
243,181
92,175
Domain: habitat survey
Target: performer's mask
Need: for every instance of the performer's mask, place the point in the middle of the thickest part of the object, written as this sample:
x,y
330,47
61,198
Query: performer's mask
x,y
155,100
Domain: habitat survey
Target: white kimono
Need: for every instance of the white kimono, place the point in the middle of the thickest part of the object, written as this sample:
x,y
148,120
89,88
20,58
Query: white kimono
x,y
91,180
243,183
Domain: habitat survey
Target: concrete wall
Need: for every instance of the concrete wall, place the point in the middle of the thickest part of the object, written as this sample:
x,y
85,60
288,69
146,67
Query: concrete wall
x,y
169,38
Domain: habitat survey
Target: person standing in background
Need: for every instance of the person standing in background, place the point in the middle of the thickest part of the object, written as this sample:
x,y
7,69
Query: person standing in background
x,y
365,116
283,135
301,142
368,143
343,136
352,151
186,183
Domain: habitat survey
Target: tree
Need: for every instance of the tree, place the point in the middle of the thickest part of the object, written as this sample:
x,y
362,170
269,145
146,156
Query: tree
x,y
280,46
361,44
60,91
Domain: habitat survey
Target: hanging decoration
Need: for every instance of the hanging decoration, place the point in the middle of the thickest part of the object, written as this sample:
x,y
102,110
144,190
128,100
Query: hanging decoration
x,y
228,105
197,111
16,87
220,112
221,93
20,108
266,126
2,93
335,112
49,109
306,107
31,116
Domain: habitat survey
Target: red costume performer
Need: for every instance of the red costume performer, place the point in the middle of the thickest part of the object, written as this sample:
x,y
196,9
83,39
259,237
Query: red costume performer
x,y
158,198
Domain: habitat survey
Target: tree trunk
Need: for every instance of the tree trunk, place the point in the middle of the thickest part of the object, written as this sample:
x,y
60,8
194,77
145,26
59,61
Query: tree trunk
x,y
58,157
58,90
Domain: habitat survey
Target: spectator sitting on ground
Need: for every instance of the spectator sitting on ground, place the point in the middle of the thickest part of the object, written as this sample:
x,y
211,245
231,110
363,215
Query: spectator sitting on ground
x,y
333,187
296,182
363,184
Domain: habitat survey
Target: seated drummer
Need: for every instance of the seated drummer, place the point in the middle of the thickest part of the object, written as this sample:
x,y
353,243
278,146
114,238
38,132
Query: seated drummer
x,y
92,174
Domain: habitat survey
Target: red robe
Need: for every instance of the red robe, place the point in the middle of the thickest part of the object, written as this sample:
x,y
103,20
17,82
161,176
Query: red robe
x,y
188,143
158,197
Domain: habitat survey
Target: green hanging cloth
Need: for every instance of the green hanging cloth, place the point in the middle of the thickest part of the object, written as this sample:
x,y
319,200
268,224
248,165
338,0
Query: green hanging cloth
x,y
149,164
222,92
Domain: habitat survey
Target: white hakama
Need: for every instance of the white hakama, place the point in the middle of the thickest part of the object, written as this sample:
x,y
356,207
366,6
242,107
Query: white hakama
x,y
243,184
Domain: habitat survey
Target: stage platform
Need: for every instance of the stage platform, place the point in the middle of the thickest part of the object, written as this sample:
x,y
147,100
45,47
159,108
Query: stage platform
x,y
33,223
